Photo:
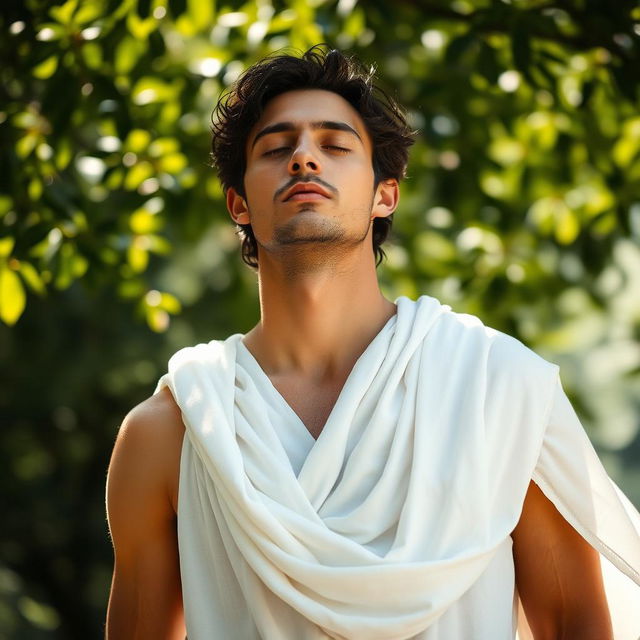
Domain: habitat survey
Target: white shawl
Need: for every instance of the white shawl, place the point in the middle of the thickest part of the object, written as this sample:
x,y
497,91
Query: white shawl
x,y
415,482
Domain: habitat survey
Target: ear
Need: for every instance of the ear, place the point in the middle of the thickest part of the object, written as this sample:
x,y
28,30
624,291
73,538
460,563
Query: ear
x,y
385,199
237,207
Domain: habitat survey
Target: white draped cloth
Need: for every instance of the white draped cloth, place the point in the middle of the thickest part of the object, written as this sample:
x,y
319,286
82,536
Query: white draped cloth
x,y
395,523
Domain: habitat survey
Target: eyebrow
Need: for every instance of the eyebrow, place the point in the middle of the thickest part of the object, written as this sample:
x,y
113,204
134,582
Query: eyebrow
x,y
279,127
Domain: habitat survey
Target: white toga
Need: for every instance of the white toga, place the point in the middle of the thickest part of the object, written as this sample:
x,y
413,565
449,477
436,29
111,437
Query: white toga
x,y
396,522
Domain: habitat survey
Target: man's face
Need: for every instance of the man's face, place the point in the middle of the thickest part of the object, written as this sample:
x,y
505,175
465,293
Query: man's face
x,y
309,175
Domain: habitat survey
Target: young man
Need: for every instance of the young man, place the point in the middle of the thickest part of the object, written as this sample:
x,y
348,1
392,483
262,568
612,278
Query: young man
x,y
351,467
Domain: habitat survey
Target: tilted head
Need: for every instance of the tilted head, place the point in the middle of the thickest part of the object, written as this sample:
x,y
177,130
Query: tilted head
x,y
238,111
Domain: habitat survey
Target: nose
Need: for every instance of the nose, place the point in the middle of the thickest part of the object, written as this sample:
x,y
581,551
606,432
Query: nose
x,y
304,159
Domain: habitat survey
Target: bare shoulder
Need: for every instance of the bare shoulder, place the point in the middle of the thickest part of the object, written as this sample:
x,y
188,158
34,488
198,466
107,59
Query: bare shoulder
x,y
157,417
149,444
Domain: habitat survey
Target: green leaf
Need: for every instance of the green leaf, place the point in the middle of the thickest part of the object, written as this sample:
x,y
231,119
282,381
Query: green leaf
x,y
35,188
32,277
47,68
127,55
172,163
92,54
170,303
137,141
161,146
89,11
137,255
6,247
5,204
26,144
12,296
140,29
143,222
567,226
202,14
64,13
63,154
149,90
137,175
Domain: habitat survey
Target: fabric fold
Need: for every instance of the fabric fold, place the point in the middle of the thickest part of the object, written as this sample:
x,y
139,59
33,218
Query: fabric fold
x,y
392,523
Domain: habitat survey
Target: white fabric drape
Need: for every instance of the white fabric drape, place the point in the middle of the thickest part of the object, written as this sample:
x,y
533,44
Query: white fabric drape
x,y
381,528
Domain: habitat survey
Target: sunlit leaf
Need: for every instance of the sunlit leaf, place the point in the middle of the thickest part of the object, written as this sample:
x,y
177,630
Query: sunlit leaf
x,y
143,222
127,55
63,153
137,175
137,141
32,277
88,11
170,303
506,151
47,68
92,54
26,144
6,246
139,28
567,225
12,296
172,163
35,188
73,266
162,146
64,12
202,14
149,90
137,256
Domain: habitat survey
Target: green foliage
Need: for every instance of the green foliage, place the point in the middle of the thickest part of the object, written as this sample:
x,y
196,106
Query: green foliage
x,y
522,205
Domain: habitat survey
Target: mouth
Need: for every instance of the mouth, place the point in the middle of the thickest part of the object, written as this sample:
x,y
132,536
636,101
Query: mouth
x,y
306,191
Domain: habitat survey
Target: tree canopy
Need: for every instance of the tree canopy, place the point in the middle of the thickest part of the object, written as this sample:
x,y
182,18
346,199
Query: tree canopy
x,y
522,205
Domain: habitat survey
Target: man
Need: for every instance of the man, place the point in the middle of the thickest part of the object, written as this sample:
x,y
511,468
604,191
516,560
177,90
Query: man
x,y
353,468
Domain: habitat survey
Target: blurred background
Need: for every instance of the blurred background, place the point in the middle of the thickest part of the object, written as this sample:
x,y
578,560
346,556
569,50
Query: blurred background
x,y
522,206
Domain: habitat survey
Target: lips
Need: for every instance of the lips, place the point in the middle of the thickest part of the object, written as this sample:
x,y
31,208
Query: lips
x,y
304,190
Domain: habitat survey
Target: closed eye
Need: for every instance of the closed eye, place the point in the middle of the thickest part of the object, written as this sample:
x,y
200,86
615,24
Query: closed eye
x,y
329,147
274,152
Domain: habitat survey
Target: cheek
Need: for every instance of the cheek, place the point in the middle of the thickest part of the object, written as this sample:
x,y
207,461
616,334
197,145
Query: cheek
x,y
256,182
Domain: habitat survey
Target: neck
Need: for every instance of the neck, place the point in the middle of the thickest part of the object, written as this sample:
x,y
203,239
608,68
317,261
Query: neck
x,y
316,322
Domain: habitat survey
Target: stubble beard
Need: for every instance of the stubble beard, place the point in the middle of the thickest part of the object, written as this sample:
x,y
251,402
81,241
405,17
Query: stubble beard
x,y
322,242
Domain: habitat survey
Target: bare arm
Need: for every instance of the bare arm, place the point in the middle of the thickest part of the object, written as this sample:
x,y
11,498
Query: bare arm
x,y
558,575
145,600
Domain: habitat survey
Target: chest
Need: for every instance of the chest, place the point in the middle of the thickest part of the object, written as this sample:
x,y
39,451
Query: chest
x,y
312,401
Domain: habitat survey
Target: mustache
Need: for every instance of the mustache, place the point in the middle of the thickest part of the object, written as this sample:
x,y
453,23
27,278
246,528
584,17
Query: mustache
x,y
278,194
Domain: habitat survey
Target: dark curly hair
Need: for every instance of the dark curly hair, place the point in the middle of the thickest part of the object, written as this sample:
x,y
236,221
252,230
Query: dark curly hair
x,y
240,108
